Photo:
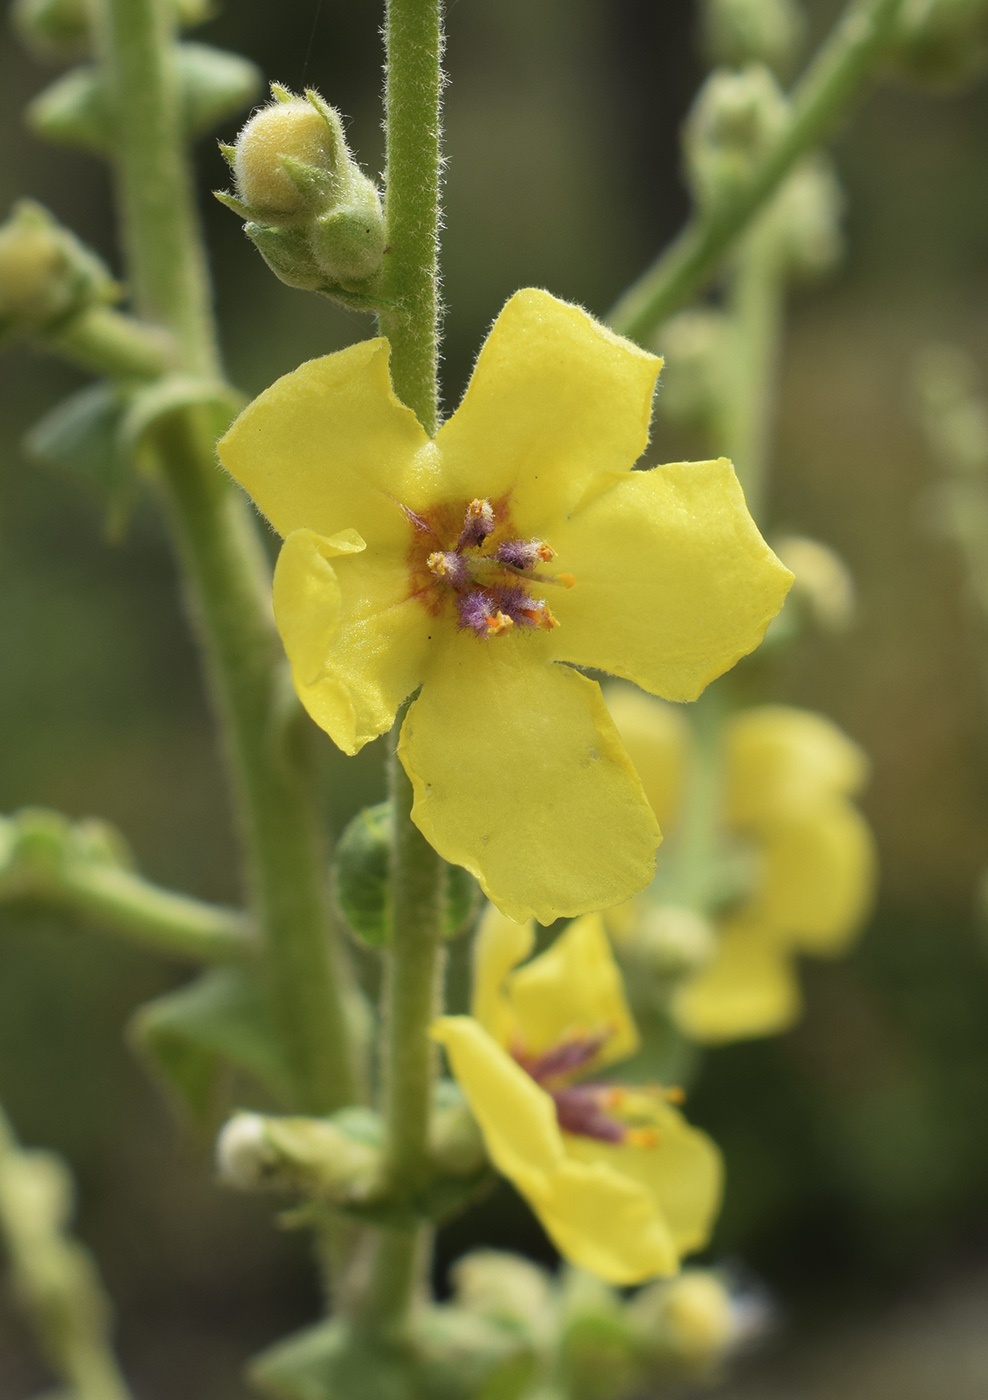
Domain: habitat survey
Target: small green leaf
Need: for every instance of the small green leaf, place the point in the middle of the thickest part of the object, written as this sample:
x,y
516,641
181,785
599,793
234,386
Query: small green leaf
x,y
327,1362
165,396
81,436
362,883
221,1016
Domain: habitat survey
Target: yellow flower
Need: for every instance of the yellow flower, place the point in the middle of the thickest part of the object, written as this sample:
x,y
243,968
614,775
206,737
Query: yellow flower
x,y
621,1182
788,779
411,561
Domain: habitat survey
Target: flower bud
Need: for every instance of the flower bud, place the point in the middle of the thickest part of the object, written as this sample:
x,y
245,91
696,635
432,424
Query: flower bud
x,y
314,215
311,1156
734,120
695,346
807,213
456,1143
671,939
60,29
505,1287
689,1319
941,44
737,32
46,275
823,583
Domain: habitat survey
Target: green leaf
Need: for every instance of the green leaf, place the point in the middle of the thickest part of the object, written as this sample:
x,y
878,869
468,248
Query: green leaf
x,y
148,406
328,1362
223,1016
362,883
81,436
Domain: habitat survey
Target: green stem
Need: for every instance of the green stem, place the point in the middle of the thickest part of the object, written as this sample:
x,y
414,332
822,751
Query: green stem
x,y
414,42
224,566
143,913
832,81
110,343
414,45
55,1279
755,302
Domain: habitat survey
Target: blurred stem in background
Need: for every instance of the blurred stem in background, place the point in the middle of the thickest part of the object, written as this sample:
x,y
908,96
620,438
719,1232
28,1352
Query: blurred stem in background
x,y
54,1277
223,563
829,85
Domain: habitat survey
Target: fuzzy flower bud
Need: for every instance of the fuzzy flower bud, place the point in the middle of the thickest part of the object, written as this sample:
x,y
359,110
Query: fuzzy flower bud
x,y
312,1156
942,44
824,584
807,213
733,121
737,32
46,275
696,347
314,215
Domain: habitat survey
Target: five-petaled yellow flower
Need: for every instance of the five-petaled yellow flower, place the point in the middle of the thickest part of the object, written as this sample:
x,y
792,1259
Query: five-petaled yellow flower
x,y
622,1183
789,777
472,564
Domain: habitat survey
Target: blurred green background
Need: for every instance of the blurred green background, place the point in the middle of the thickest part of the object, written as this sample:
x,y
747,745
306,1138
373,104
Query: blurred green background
x,y
857,1146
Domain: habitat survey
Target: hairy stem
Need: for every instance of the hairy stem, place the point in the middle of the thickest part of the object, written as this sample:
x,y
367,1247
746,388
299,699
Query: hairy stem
x,y
112,344
414,44
414,41
224,569
832,81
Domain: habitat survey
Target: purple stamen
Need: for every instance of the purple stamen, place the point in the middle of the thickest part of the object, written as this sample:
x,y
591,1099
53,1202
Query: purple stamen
x,y
477,525
475,609
569,1057
580,1109
522,554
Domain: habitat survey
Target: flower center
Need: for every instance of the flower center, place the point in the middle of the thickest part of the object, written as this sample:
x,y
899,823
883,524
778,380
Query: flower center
x,y
473,556
608,1112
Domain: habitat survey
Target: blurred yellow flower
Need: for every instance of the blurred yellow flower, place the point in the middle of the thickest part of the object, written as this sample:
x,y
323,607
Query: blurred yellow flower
x,y
788,779
414,562
621,1182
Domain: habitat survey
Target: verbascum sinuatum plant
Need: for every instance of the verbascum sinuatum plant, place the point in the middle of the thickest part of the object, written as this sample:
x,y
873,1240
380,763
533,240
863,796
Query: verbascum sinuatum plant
x,y
471,564
798,853
622,1183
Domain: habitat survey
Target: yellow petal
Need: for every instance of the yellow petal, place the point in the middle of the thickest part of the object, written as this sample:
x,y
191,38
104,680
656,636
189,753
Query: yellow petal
x,y
603,1221
750,989
329,447
556,400
499,945
520,776
781,760
574,986
674,584
356,642
683,1172
657,738
817,878
517,1118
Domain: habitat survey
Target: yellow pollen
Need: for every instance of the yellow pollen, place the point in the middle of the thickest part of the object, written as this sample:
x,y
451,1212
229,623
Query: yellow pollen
x,y
545,552
477,508
498,623
438,564
674,1094
615,1097
642,1137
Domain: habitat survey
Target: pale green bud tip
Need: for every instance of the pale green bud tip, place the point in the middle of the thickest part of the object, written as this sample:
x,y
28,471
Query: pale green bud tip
x,y
46,274
697,1314
36,1192
744,31
245,1157
824,584
673,939
734,120
941,43
279,147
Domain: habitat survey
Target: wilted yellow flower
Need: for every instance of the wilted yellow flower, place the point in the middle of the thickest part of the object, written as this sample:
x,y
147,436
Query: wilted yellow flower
x,y
622,1183
788,779
411,561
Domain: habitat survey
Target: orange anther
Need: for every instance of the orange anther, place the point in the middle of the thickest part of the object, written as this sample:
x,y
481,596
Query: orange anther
x,y
674,1094
498,623
545,552
642,1137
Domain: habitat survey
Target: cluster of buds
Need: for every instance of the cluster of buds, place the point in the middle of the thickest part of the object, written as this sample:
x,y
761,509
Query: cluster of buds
x,y
313,214
731,125
736,32
47,276
941,43
61,29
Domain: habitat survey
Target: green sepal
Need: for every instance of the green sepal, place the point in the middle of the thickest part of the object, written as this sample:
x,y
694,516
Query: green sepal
x,y
310,181
362,881
349,243
81,436
214,85
222,1017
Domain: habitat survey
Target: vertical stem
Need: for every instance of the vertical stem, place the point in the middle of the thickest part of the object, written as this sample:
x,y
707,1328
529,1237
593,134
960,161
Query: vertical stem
x,y
414,41
755,302
414,45
223,563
